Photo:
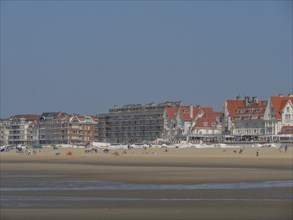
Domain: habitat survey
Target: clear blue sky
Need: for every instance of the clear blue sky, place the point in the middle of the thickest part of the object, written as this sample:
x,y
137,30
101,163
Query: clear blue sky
x,y
86,57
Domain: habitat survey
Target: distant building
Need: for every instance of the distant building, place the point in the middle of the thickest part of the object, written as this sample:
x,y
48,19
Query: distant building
x,y
249,119
81,129
63,128
244,118
278,114
209,125
178,122
21,130
53,128
4,131
133,123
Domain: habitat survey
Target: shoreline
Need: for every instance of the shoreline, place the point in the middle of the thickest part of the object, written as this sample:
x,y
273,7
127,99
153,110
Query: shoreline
x,y
150,166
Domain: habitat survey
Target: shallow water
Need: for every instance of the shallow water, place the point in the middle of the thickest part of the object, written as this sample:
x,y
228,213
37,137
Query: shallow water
x,y
43,185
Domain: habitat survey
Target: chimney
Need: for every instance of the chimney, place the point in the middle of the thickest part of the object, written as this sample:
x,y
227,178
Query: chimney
x,y
254,99
238,97
281,95
290,94
191,111
246,100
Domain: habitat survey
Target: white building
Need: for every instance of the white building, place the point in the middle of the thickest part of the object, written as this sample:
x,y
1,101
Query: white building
x,y
178,122
22,131
4,131
209,124
278,113
245,118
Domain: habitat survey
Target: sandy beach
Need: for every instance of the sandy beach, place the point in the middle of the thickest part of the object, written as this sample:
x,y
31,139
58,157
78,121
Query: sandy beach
x,y
147,184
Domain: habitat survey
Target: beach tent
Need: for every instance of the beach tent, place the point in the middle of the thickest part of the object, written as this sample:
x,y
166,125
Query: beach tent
x,y
69,153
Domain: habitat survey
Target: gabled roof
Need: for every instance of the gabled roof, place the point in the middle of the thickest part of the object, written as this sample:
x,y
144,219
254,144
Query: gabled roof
x,y
284,103
209,120
207,110
171,112
279,102
185,112
233,105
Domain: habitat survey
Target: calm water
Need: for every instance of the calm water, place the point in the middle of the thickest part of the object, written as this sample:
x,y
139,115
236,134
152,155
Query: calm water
x,y
43,183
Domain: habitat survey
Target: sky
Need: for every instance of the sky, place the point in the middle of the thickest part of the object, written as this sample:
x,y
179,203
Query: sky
x,y
85,57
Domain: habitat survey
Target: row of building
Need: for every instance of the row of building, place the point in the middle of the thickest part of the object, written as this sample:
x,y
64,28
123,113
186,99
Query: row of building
x,y
48,128
170,122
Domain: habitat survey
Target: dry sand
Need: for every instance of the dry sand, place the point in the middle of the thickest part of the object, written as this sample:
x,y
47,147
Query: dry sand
x,y
154,166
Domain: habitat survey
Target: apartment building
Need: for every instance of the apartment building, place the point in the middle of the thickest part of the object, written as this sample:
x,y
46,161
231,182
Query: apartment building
x,y
133,123
63,128
4,131
81,129
249,119
53,128
244,118
22,131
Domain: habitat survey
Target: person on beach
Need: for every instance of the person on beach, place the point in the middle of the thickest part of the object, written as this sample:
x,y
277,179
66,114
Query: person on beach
x,y
257,152
286,148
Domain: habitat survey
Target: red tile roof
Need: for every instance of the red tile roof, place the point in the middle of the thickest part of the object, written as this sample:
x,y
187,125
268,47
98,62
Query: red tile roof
x,y
279,102
171,112
209,120
185,112
233,105
207,109
286,130
255,111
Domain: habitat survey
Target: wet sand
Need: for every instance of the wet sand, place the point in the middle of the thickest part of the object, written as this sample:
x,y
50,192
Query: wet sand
x,y
152,166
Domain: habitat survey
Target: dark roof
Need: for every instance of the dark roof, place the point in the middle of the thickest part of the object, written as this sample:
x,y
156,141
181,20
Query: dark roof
x,y
28,117
50,114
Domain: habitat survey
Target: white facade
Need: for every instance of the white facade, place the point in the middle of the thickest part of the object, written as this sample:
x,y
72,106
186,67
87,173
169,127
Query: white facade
x,y
4,131
275,117
287,114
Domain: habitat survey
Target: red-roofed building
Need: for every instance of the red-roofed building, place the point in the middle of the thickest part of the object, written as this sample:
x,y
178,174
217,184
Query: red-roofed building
x,y
178,121
279,113
287,130
63,128
244,117
81,129
208,124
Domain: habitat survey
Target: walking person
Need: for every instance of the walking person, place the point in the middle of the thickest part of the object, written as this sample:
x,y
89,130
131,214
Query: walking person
x,y
257,152
286,148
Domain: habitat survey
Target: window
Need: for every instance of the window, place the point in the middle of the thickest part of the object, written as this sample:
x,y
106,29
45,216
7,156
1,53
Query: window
x,y
287,117
258,110
288,109
205,124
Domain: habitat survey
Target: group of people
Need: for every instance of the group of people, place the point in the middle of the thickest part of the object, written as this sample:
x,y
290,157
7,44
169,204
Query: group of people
x,y
285,148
